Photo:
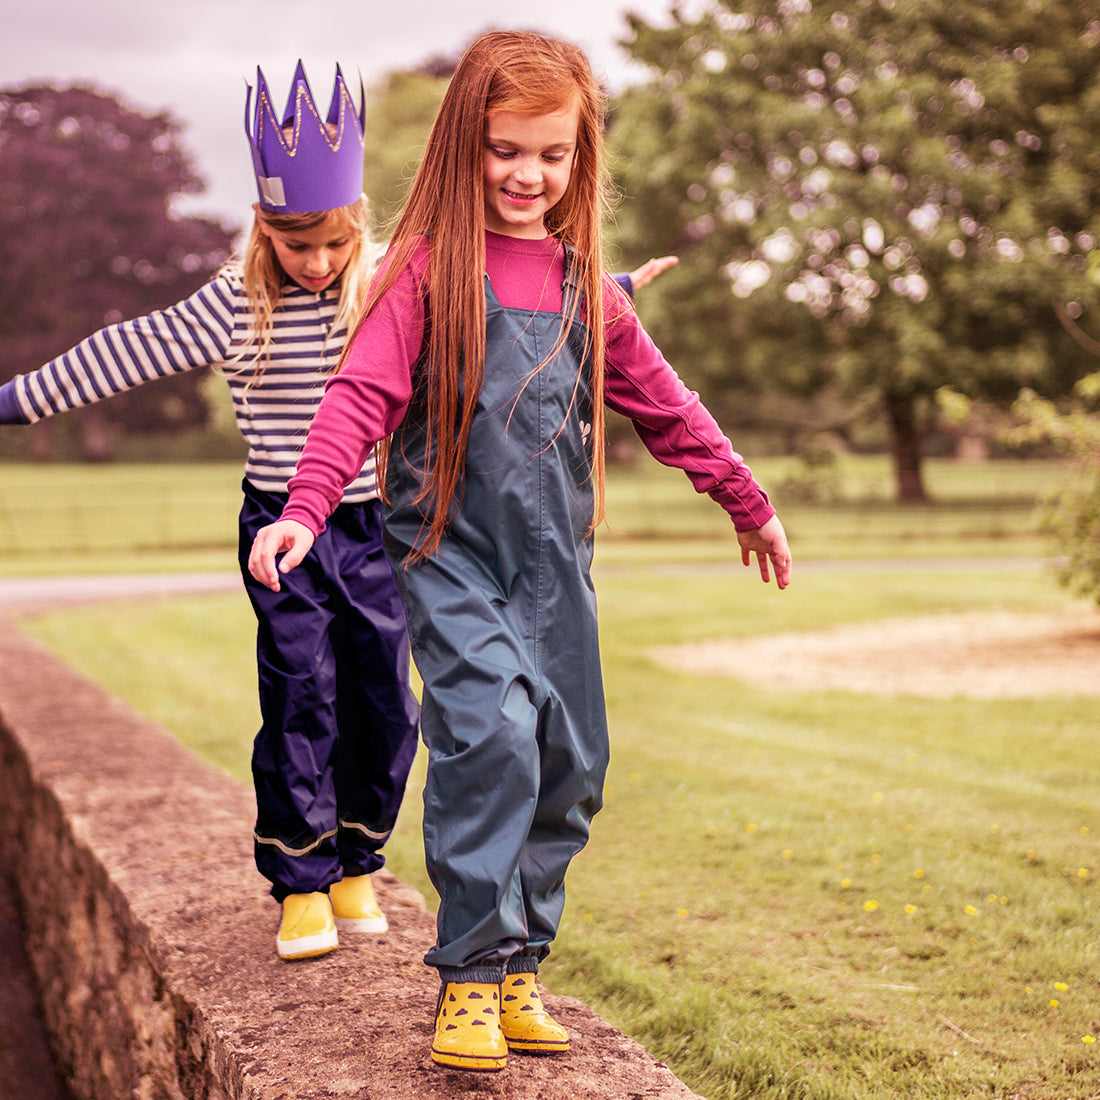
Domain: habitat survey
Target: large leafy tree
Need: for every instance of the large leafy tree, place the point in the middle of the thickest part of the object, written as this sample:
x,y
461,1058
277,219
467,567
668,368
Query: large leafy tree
x,y
875,197
91,236
400,113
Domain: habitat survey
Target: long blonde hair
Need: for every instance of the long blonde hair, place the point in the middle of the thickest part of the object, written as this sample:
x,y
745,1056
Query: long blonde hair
x,y
528,74
263,276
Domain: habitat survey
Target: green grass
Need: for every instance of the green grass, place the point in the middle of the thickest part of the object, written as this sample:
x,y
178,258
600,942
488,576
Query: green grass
x,y
789,894
745,905
56,517
61,518
978,508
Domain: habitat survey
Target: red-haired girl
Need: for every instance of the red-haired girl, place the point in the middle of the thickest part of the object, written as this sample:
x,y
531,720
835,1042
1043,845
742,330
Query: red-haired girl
x,y
490,343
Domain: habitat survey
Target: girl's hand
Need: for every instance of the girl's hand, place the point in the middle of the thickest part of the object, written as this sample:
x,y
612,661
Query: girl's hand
x,y
644,275
285,534
769,544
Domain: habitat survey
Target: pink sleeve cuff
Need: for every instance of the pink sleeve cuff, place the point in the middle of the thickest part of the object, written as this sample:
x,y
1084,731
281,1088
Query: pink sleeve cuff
x,y
308,506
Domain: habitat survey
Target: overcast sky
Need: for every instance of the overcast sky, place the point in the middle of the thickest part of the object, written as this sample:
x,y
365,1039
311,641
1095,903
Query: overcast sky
x,y
193,57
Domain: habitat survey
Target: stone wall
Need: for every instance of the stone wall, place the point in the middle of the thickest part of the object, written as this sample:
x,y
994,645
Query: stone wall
x,y
152,935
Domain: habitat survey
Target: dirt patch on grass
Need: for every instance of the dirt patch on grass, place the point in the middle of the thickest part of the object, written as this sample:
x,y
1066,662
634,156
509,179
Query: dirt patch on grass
x,y
984,655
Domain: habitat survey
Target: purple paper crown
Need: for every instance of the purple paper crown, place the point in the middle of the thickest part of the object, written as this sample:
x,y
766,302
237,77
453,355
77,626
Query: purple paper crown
x,y
311,169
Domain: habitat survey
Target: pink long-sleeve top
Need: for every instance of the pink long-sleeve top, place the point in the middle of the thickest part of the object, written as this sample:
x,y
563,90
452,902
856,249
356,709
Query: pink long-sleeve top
x,y
368,398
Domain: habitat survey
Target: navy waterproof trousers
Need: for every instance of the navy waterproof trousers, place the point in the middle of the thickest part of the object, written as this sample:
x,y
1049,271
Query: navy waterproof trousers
x,y
339,719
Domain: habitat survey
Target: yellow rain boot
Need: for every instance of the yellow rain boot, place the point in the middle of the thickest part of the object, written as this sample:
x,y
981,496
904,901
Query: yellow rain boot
x,y
307,928
467,1027
355,907
527,1026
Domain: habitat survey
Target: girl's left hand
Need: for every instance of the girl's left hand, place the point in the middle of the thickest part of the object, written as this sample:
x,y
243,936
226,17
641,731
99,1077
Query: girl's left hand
x,y
284,535
644,275
769,544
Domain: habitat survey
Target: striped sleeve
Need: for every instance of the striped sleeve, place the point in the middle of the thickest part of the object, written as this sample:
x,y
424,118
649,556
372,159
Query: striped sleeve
x,y
195,332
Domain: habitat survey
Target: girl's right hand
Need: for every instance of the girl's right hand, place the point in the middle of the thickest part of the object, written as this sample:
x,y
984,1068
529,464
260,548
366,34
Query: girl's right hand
x,y
284,535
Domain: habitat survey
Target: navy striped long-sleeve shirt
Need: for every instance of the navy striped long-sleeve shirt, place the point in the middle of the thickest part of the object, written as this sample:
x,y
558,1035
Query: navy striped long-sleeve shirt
x,y
274,402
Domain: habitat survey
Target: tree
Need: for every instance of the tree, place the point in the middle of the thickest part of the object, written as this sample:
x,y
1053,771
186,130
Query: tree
x,y
400,113
1071,511
91,236
878,197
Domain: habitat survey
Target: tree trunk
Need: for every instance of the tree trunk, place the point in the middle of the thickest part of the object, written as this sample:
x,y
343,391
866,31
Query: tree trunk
x,y
906,443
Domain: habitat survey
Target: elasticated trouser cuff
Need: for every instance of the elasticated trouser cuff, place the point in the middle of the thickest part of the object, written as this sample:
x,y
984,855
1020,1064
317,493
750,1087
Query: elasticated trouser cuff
x,y
493,972
489,973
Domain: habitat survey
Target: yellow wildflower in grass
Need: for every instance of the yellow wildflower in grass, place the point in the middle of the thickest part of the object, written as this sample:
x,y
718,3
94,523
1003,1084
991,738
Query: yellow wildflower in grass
x,y
681,912
845,883
712,830
1061,987
1084,831
870,905
1082,872
918,873
1053,1004
787,853
878,798
910,909
1088,1038
971,911
750,828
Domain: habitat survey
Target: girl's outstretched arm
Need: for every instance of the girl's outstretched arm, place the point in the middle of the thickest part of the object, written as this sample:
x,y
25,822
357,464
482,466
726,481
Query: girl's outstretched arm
x,y
285,534
769,544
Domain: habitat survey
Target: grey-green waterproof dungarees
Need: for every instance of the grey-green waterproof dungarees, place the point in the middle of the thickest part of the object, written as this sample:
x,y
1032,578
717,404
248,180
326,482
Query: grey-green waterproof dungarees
x,y
503,625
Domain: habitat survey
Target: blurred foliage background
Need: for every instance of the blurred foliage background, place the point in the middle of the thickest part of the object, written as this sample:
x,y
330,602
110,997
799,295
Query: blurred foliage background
x,y
885,213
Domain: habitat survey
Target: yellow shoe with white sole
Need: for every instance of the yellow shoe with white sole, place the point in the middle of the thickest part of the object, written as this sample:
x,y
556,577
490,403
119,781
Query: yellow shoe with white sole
x,y
355,907
527,1027
307,928
467,1027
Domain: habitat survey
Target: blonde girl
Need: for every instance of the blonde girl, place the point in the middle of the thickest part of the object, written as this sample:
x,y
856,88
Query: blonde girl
x,y
338,717
491,341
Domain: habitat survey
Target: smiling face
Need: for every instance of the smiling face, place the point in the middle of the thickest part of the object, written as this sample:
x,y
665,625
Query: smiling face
x,y
528,161
314,258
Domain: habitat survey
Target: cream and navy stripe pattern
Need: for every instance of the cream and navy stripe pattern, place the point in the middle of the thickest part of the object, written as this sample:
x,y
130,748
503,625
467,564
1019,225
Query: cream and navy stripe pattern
x,y
214,328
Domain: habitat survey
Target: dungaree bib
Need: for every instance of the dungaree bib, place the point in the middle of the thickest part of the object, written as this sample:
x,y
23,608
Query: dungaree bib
x,y
504,634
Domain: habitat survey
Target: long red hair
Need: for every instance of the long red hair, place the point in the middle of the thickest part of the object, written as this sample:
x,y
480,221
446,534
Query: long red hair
x,y
527,74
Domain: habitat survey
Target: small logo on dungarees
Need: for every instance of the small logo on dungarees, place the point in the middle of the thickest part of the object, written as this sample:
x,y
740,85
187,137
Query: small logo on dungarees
x,y
586,432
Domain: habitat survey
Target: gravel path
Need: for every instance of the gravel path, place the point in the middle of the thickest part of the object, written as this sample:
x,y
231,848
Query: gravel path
x,y
25,595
